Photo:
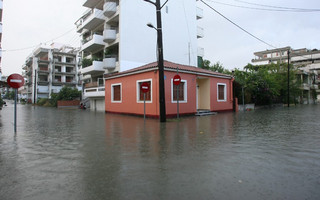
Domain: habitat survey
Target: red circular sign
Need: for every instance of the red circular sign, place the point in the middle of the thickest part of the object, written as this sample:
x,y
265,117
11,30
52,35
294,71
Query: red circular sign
x,y
176,79
15,80
145,87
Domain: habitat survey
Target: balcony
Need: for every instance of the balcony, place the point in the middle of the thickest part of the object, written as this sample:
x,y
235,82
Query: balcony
x,y
85,77
91,3
29,61
314,87
42,91
94,89
92,43
96,67
109,8
201,51
90,20
109,35
43,82
199,13
110,63
95,92
305,86
200,32
43,70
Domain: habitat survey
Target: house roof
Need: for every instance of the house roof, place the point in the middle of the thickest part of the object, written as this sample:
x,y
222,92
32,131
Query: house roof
x,y
168,66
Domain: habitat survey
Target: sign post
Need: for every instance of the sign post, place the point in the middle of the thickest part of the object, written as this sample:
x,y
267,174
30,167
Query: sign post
x,y
177,81
145,87
15,81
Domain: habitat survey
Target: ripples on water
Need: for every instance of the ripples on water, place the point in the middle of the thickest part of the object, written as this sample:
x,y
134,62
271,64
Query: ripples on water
x,y
76,154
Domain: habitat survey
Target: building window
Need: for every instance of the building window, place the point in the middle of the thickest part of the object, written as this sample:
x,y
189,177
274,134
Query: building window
x,y
182,92
116,93
140,98
222,92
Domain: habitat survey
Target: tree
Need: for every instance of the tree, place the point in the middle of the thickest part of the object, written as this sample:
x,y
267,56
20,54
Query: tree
x,y
66,93
265,84
217,67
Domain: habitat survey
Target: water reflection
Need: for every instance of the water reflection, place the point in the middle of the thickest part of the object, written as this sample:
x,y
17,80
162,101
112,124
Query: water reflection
x,y
76,154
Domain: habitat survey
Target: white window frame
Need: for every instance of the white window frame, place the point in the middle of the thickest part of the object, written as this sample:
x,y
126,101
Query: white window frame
x,y
185,95
225,92
112,92
138,90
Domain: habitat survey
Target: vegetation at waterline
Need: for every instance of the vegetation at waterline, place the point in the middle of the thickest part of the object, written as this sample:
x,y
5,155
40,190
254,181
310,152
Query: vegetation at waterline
x,y
66,93
261,84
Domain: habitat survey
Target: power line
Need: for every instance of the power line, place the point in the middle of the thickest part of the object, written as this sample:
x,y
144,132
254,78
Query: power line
x,y
34,46
237,25
279,9
287,8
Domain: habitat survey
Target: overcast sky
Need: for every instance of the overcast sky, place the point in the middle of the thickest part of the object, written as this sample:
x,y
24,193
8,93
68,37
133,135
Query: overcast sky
x,y
26,24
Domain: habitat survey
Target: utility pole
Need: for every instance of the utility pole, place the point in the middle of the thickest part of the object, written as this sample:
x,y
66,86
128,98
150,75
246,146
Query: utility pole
x,y
162,100
288,97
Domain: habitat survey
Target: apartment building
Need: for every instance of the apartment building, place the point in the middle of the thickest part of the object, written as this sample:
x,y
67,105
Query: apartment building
x,y
306,61
1,8
48,69
115,37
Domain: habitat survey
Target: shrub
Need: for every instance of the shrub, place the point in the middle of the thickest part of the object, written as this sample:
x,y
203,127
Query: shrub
x,y
42,101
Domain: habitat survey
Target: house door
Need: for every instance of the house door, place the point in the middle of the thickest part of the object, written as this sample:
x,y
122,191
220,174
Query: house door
x,y
203,93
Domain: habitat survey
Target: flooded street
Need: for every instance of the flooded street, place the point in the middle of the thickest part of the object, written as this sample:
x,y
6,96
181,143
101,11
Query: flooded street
x,y
77,154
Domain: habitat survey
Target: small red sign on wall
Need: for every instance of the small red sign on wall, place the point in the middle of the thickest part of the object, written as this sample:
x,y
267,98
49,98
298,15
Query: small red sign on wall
x,y
145,87
176,79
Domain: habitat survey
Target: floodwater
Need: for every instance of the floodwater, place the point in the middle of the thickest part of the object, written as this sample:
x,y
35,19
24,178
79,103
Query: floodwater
x,y
80,155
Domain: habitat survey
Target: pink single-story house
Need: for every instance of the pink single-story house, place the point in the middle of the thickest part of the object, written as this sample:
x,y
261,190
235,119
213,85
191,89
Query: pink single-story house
x,y
199,90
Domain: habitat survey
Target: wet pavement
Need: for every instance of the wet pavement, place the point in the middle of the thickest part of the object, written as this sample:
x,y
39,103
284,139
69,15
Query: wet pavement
x,y
77,154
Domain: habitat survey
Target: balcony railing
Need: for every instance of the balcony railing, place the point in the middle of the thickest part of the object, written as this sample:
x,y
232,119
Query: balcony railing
x,y
201,51
109,8
109,35
95,89
200,32
305,86
96,67
110,62
314,87
199,13
93,42
90,20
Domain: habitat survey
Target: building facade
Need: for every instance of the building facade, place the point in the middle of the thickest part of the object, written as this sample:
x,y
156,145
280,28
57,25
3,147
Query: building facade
x,y
306,61
48,69
199,90
115,37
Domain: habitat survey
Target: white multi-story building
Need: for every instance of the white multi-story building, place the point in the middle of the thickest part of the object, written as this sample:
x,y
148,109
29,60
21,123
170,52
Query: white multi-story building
x,y
305,60
48,69
115,37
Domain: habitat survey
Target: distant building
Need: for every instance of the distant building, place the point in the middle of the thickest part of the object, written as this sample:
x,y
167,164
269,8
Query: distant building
x,y
305,60
48,69
115,37
199,90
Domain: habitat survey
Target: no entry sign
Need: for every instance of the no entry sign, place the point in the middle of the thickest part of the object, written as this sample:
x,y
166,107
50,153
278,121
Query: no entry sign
x,y
15,81
145,87
176,79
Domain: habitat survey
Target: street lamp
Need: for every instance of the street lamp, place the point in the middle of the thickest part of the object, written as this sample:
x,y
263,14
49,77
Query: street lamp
x,y
162,100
